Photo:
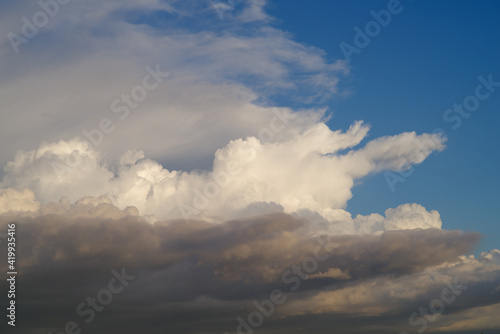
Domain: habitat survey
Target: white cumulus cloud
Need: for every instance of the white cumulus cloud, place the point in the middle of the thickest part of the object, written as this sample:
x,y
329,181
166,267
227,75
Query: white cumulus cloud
x,y
297,170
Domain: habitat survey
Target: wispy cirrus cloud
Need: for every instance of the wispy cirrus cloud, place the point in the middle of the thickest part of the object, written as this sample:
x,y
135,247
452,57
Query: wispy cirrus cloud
x,y
109,45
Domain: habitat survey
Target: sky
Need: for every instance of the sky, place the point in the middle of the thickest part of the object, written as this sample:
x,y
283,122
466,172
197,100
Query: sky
x,y
251,166
426,60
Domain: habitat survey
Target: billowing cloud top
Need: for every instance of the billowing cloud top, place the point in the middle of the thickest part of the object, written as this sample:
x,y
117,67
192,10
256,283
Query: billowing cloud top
x,y
301,173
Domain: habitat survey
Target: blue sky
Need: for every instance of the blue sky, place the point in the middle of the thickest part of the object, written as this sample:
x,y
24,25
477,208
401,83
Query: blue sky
x,y
424,61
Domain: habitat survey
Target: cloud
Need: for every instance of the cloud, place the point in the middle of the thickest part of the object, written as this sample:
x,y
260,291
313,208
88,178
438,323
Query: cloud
x,y
214,271
219,75
202,188
410,216
12,200
245,172
492,256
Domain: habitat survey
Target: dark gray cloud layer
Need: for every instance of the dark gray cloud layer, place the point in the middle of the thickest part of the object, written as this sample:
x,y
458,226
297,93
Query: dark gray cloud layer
x,y
196,277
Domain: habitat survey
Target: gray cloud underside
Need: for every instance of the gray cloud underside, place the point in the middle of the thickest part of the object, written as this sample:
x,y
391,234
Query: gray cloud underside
x,y
196,277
